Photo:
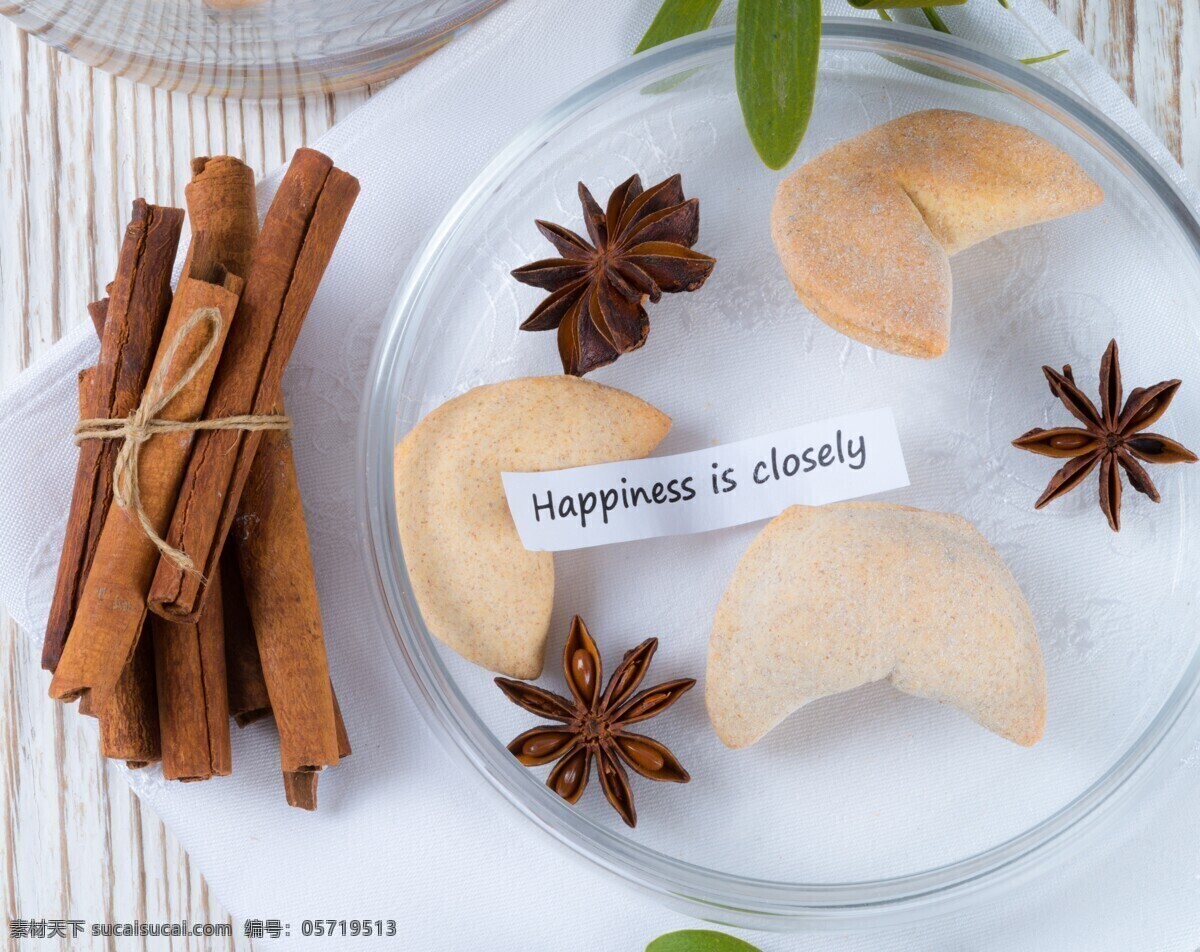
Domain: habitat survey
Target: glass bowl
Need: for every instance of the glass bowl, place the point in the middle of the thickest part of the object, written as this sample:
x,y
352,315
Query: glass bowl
x,y
870,807
252,49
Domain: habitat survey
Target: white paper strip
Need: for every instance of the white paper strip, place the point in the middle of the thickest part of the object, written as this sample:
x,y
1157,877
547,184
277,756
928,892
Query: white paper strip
x,y
849,456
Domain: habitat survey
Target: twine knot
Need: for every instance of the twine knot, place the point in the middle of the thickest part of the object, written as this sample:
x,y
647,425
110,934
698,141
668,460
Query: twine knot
x,y
143,423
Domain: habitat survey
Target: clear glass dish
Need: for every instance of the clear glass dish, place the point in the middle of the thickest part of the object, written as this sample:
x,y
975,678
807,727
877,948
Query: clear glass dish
x,y
252,49
871,807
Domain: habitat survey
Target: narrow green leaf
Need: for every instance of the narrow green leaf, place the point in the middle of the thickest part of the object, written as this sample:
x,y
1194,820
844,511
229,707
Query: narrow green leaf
x,y
926,69
699,940
676,18
935,19
936,72
1046,57
903,4
775,55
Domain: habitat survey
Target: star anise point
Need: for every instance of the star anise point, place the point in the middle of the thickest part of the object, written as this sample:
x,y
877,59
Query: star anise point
x,y
591,726
1112,437
638,248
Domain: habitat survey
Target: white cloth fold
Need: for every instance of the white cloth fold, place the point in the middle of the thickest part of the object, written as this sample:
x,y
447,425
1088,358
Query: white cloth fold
x,y
404,832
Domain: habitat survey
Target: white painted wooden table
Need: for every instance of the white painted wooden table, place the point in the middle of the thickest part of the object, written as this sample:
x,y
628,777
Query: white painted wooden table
x,y
76,147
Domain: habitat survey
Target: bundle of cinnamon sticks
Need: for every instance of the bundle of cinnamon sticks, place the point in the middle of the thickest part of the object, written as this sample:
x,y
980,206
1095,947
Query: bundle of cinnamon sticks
x,y
160,629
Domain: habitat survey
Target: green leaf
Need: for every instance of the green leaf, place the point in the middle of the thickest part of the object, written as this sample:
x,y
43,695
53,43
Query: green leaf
x,y
903,4
676,18
1046,57
775,56
935,19
699,940
926,69
936,72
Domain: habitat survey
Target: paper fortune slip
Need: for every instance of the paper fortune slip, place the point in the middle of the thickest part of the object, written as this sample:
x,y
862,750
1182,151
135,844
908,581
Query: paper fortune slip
x,y
713,488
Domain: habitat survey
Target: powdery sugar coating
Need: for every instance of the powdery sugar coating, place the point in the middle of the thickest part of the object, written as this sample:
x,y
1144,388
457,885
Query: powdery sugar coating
x,y
480,591
865,230
829,598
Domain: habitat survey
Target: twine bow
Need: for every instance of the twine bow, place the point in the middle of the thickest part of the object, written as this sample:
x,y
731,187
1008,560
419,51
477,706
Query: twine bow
x,y
143,423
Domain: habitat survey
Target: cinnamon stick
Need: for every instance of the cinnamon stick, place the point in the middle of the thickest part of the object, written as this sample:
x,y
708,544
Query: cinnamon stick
x,y
129,721
277,575
139,301
297,240
221,201
343,736
248,699
193,707
112,606
300,787
98,312
84,385
84,380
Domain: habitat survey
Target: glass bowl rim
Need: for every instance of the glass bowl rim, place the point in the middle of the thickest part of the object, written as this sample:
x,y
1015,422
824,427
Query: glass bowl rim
x,y
700,891
319,74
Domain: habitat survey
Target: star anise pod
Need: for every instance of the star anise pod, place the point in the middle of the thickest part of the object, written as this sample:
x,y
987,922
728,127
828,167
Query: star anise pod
x,y
640,247
593,726
1112,437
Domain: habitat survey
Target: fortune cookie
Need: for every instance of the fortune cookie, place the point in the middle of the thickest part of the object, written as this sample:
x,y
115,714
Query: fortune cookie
x,y
831,597
865,230
479,590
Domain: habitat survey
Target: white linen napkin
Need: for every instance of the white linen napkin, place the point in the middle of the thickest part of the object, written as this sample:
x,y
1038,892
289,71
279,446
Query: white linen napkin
x,y
405,832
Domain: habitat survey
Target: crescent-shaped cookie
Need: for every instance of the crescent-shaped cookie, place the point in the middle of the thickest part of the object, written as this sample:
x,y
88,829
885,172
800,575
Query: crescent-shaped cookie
x,y
828,598
865,230
479,590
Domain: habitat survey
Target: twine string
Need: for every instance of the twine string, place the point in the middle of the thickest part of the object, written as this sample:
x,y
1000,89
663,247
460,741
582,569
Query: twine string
x,y
143,423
